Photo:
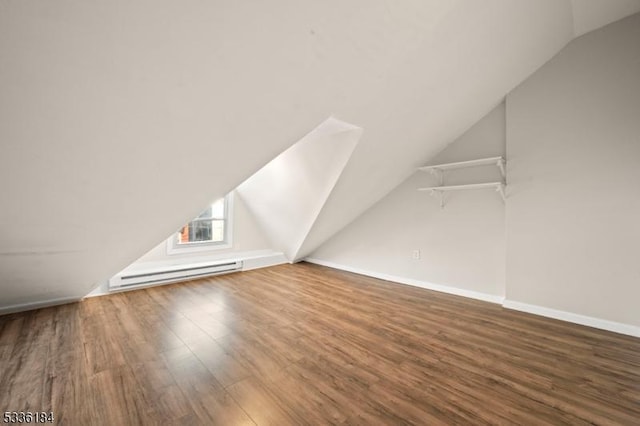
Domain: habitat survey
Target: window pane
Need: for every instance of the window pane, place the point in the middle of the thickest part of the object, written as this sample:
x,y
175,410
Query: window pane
x,y
205,214
204,229
183,235
200,231
217,208
195,232
217,230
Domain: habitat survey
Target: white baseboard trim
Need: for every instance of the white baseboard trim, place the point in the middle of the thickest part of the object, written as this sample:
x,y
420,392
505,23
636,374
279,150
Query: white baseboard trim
x,y
602,324
485,297
37,305
264,261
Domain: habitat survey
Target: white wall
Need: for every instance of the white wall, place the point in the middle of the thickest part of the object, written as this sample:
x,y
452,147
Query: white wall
x,y
589,15
110,110
572,217
287,194
247,237
248,244
462,245
573,210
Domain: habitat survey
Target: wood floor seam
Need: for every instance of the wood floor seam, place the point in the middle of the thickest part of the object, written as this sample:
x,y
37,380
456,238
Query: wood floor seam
x,y
306,344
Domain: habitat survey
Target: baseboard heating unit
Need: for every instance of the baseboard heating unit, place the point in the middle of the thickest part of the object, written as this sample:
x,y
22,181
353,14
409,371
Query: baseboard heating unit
x,y
172,273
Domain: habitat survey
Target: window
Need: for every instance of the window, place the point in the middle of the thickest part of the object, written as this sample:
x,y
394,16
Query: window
x,y
209,231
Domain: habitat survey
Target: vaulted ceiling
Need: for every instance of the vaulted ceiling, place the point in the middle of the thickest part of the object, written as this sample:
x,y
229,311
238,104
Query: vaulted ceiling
x,y
119,120
287,195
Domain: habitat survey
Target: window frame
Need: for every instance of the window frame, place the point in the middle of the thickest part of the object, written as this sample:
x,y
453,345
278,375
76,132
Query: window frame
x,y
173,247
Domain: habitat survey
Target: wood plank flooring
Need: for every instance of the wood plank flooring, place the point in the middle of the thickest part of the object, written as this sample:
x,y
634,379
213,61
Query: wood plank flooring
x,y
304,344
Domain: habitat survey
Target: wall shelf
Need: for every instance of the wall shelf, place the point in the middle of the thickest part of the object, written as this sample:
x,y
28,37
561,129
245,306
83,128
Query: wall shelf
x,y
438,170
440,190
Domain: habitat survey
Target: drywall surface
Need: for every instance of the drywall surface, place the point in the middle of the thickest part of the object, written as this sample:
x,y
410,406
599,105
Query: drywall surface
x,y
247,236
248,244
121,120
461,246
490,45
573,206
589,15
287,194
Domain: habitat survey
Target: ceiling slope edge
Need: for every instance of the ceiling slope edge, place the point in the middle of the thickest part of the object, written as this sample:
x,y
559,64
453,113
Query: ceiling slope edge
x,y
287,194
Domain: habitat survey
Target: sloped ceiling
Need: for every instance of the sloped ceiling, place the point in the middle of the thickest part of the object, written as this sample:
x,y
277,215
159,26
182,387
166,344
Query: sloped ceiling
x,y
119,120
286,195
589,15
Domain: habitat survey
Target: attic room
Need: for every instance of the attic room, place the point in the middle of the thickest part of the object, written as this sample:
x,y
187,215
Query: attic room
x,y
356,212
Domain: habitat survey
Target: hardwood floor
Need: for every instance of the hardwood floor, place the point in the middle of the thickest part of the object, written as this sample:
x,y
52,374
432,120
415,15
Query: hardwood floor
x,y
304,344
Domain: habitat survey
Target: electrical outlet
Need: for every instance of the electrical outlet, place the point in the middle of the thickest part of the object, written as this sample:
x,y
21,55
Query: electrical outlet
x,y
416,255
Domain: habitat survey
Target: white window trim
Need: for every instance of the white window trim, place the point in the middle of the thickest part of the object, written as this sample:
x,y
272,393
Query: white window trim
x,y
173,248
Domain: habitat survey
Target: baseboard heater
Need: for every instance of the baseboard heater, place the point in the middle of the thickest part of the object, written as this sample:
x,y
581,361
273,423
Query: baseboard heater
x,y
173,274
